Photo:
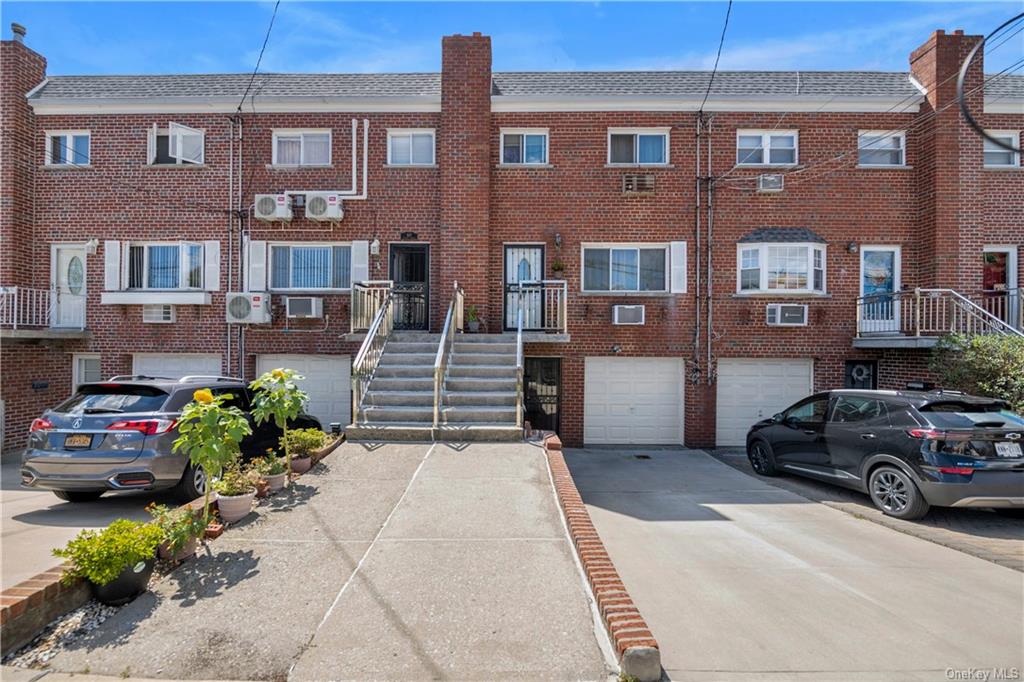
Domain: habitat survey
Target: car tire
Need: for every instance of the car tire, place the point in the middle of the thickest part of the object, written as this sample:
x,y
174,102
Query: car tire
x,y
895,494
78,495
192,485
762,459
1010,513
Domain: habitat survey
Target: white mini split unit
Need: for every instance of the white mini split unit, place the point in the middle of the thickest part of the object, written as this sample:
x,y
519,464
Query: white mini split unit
x,y
273,207
324,206
303,307
248,308
628,314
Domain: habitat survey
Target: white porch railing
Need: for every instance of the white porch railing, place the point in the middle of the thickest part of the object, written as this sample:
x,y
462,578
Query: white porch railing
x,y
452,326
27,307
369,355
1006,304
367,299
926,312
544,304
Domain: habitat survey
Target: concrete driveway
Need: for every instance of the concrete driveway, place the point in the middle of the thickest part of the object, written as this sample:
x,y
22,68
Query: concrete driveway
x,y
741,580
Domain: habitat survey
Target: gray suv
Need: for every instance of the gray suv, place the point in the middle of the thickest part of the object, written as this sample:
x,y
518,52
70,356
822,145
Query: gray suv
x,y
118,435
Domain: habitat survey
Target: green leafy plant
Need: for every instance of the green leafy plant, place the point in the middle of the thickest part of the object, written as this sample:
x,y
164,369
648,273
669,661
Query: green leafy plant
x,y
303,442
177,525
270,465
278,397
234,481
210,434
472,315
100,556
985,364
557,265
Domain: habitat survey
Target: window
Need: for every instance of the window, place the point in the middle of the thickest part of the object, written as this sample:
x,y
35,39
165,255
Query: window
x,y
86,369
852,408
779,268
524,147
996,156
310,266
411,147
302,148
810,411
625,268
68,148
165,266
176,145
766,148
638,146
881,148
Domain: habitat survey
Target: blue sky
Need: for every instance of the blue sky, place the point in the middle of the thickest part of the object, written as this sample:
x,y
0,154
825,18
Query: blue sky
x,y
207,37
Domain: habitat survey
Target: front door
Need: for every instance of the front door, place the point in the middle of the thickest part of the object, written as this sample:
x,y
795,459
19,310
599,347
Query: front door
x,y
523,263
998,283
879,279
410,269
69,287
542,380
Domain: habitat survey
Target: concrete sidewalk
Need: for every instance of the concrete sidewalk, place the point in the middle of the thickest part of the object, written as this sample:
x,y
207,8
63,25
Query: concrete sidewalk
x,y
400,561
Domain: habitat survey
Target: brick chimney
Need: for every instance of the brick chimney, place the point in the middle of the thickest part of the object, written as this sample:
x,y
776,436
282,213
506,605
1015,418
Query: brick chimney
x,y
21,69
464,157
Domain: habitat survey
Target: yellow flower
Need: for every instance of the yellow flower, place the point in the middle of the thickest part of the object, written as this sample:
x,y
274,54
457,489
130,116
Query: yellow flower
x,y
278,373
203,395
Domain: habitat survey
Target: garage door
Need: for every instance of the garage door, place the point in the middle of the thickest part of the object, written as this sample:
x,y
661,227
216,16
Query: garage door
x,y
176,365
633,400
752,389
328,383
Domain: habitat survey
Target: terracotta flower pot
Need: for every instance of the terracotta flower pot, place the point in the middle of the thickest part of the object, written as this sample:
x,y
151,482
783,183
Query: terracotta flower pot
x,y
301,465
276,482
214,530
262,488
235,507
187,550
132,582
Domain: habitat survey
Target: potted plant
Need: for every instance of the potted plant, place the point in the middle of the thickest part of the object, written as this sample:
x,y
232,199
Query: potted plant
x,y
272,469
235,493
181,529
558,267
116,561
302,443
472,319
277,397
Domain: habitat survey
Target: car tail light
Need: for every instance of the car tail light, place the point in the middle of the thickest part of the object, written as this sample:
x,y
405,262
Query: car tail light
x,y
936,434
40,424
963,471
150,427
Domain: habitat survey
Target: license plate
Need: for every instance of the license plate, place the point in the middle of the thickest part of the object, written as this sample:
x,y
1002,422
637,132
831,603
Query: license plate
x,y
78,441
1008,450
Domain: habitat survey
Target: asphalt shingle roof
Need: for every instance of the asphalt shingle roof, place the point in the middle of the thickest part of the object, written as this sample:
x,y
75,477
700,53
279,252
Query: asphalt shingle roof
x,y
781,234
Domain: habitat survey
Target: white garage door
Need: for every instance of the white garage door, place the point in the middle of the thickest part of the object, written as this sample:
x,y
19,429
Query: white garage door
x,y
176,365
633,400
752,389
328,383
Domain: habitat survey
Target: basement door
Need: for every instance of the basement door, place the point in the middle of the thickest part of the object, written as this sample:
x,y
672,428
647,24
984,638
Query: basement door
x,y
523,263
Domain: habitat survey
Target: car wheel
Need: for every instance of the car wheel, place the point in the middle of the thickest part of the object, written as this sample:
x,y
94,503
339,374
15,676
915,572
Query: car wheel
x,y
192,484
895,494
762,459
78,495
1010,513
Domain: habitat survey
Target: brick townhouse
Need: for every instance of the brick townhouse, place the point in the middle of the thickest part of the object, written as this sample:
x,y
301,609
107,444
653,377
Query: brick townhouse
x,y
681,273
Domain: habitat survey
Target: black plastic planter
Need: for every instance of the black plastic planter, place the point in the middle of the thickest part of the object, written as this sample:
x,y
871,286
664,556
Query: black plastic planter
x,y
130,584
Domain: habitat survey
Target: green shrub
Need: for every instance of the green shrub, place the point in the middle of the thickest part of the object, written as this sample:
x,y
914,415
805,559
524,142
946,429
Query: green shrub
x,y
177,525
234,481
990,365
303,442
100,556
271,465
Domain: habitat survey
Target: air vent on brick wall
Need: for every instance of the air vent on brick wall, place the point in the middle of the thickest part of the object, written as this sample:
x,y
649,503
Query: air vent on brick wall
x,y
157,314
770,182
633,183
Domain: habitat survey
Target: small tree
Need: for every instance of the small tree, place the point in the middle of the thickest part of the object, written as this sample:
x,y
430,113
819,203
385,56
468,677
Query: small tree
x,y
276,396
985,364
210,433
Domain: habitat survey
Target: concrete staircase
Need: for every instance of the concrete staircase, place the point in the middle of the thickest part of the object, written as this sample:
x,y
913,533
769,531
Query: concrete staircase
x,y
478,398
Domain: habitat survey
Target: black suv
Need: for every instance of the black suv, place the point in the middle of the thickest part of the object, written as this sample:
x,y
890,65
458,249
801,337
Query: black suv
x,y
906,449
118,435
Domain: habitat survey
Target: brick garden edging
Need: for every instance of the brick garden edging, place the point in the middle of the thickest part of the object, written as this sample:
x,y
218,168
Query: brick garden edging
x,y
634,644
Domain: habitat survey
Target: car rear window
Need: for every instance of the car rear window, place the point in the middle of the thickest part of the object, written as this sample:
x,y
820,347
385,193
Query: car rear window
x,y
956,415
113,399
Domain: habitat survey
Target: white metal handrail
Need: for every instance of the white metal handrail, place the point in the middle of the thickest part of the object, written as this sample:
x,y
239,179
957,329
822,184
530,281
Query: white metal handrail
x,y
26,307
452,326
367,299
926,312
370,353
1004,304
544,304
519,369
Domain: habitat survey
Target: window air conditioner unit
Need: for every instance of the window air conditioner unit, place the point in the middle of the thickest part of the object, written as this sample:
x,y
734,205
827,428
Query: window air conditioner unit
x,y
272,207
770,182
324,206
633,183
248,308
628,314
157,313
786,315
304,306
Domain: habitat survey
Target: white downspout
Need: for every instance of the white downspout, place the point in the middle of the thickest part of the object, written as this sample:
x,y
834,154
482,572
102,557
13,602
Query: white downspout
x,y
350,194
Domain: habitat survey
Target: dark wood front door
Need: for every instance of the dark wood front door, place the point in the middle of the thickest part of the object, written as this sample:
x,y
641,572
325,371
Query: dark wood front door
x,y
542,384
410,271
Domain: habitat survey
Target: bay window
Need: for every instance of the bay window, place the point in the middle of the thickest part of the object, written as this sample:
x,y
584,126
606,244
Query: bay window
x,y
165,266
302,148
780,268
625,268
310,266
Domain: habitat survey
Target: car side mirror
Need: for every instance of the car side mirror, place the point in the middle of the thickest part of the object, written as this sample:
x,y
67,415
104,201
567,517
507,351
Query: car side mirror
x,y
777,417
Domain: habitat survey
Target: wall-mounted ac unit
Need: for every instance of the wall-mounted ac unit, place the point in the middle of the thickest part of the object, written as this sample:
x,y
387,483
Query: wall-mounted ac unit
x,y
786,315
634,183
770,182
158,313
273,207
248,308
304,306
324,206
628,314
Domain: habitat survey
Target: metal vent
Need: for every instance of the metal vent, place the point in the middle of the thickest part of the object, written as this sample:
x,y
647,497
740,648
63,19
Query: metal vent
x,y
157,314
770,182
633,183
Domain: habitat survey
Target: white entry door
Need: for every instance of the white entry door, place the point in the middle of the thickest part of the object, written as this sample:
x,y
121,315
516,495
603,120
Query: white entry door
x,y
69,283
752,389
523,263
328,382
633,401
879,280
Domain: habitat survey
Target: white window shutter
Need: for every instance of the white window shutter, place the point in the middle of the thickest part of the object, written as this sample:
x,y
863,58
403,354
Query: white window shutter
x,y
257,266
360,261
125,263
111,265
211,269
677,260
151,145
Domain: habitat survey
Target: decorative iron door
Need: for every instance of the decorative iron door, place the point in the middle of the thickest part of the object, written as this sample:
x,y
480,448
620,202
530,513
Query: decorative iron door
x,y
410,270
542,381
523,263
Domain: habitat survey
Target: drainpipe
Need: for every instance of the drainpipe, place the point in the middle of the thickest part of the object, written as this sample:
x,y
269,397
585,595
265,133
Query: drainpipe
x,y
231,223
709,374
695,371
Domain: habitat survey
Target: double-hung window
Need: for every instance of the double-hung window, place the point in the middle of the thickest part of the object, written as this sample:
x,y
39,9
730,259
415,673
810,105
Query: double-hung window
x,y
638,146
302,148
410,147
625,268
524,147
310,266
68,148
998,157
176,144
881,148
165,266
780,268
766,147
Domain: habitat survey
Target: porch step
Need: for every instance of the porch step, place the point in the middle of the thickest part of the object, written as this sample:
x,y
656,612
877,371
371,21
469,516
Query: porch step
x,y
396,384
411,346
415,337
479,398
480,371
411,431
462,347
423,414
401,398
408,371
482,384
474,414
484,358
391,358
486,338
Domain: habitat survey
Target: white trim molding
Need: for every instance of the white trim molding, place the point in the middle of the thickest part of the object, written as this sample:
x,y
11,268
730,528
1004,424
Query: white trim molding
x,y
223,105
154,297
